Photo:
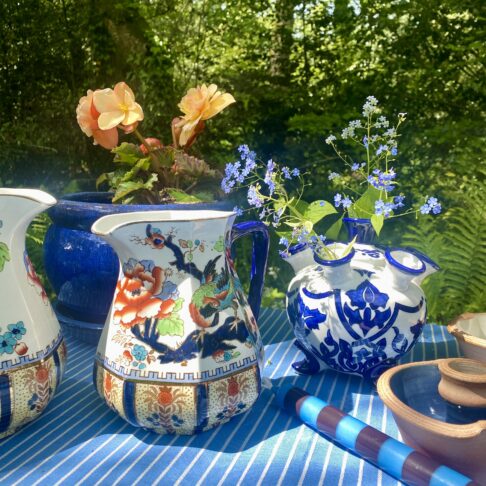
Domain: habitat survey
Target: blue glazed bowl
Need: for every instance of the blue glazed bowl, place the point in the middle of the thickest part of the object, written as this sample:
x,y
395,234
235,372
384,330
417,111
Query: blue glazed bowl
x,y
81,267
452,434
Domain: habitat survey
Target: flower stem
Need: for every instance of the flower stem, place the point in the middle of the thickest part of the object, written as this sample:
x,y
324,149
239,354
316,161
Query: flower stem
x,y
154,163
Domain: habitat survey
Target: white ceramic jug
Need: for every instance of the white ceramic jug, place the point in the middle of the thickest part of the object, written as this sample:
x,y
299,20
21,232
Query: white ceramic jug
x,y
32,351
181,351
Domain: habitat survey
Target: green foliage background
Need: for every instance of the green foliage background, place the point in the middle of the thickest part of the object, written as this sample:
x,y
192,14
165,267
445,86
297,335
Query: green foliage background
x,y
298,69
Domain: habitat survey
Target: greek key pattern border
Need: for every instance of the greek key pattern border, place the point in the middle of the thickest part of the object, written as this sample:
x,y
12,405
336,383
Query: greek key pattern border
x,y
10,364
196,377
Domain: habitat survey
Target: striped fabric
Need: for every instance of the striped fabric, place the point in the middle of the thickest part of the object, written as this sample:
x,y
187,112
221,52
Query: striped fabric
x,y
79,440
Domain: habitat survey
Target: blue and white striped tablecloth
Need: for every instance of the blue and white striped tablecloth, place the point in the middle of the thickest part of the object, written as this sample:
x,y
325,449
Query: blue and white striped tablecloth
x,y
79,440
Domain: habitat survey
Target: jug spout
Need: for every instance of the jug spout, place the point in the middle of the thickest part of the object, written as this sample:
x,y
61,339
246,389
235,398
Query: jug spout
x,y
19,207
27,202
107,225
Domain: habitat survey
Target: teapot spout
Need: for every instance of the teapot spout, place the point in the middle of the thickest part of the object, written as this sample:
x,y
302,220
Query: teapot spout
x,y
298,257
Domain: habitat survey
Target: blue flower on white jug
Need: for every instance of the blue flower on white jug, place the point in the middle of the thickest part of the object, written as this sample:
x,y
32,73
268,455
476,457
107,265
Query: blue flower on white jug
x,y
140,354
17,330
7,343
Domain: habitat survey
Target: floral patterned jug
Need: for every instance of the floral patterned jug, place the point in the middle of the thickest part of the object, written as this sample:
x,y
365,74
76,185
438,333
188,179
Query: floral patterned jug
x,y
181,351
32,351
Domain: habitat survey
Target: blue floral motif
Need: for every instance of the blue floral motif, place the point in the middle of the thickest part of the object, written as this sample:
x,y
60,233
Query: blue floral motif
x,y
169,291
7,343
157,421
367,295
154,420
363,357
228,412
139,352
400,343
371,253
311,318
367,300
364,273
177,421
33,401
17,330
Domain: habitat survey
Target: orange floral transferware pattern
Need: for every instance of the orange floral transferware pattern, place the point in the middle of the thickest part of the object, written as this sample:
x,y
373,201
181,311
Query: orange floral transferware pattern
x,y
180,352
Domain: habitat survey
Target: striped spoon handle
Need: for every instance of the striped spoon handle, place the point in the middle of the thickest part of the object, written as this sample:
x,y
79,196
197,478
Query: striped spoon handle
x,y
395,458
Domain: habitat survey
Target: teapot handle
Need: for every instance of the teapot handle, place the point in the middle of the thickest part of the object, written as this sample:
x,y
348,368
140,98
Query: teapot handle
x,y
261,245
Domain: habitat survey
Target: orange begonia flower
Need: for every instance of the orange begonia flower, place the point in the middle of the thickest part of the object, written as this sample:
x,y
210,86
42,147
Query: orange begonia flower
x,y
200,104
87,117
117,106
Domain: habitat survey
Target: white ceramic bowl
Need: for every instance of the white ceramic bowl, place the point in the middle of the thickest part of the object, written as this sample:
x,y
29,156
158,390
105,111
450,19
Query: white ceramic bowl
x,y
470,331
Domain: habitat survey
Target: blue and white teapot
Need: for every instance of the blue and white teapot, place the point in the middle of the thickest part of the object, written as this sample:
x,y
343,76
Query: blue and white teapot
x,y
360,313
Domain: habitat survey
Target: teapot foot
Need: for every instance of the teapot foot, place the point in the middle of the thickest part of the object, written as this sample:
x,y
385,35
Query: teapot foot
x,y
309,365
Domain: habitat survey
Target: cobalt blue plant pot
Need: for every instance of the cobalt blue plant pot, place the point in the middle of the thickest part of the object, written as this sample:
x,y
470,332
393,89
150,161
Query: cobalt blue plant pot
x,y
81,267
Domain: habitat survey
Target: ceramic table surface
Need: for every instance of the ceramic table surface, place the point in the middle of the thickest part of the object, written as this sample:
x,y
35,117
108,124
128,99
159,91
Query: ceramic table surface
x,y
79,440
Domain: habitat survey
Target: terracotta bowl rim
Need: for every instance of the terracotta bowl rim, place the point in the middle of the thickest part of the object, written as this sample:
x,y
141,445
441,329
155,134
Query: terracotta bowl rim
x,y
448,371
408,414
462,335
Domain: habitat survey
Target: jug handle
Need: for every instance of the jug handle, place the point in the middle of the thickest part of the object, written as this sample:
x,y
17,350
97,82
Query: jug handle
x,y
261,245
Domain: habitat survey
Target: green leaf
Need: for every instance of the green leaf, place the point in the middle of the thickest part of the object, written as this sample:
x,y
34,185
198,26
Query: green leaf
x,y
318,210
4,255
148,184
301,206
192,167
377,221
284,234
308,226
181,196
177,305
102,178
126,188
364,207
333,232
348,249
170,326
219,245
142,164
204,196
127,153
293,224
